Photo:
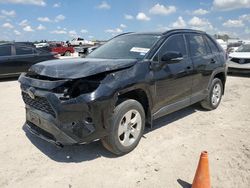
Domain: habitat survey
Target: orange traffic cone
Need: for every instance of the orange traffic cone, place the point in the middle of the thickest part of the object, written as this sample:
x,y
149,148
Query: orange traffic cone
x,y
202,177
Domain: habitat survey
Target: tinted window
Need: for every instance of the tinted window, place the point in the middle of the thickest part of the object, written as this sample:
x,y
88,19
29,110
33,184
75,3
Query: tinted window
x,y
23,50
174,43
212,45
5,50
197,45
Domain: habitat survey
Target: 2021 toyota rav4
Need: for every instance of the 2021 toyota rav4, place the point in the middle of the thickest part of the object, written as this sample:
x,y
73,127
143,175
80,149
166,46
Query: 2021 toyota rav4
x,y
132,79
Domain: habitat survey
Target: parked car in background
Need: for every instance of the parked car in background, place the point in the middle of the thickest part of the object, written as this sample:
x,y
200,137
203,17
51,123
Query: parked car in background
x,y
61,49
130,80
17,57
41,45
239,61
80,42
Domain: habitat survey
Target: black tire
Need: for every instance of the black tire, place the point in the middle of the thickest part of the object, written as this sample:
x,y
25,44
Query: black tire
x,y
67,53
112,142
207,103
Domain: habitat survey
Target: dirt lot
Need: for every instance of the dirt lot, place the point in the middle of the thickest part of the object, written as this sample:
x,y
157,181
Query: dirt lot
x,y
166,157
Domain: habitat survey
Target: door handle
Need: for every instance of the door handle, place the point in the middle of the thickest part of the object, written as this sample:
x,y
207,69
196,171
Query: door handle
x,y
212,61
188,68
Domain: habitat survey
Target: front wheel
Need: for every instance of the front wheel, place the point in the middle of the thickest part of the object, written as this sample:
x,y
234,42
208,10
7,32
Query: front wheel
x,y
213,99
126,129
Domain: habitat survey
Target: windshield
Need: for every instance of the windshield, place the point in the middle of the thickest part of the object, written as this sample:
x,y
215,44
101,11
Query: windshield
x,y
244,48
133,46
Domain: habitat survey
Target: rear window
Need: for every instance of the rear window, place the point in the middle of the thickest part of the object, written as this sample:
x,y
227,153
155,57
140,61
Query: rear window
x,y
197,45
5,50
23,50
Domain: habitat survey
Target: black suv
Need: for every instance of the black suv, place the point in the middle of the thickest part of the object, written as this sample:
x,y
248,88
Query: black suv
x,y
131,80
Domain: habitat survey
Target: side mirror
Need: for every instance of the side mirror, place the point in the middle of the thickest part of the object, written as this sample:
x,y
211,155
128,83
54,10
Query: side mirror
x,y
172,57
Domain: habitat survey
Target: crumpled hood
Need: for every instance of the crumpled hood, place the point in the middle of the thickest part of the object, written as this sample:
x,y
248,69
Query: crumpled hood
x,y
79,68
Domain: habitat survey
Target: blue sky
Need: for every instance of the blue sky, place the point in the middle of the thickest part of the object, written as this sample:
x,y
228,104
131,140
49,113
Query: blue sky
x,y
29,20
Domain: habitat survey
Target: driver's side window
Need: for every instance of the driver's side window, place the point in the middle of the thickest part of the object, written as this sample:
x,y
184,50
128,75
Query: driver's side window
x,y
173,43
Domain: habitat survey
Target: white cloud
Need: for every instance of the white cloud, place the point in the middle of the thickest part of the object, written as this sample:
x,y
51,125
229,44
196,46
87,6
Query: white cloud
x,y
201,24
245,17
159,9
180,23
8,25
233,23
198,22
231,4
57,5
60,18
142,17
72,33
128,17
24,23
59,32
17,32
114,31
41,27
247,30
28,28
123,26
200,12
84,31
25,2
43,19
104,5
11,13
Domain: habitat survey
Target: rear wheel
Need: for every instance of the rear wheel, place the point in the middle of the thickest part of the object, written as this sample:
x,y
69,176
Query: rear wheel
x,y
126,128
214,97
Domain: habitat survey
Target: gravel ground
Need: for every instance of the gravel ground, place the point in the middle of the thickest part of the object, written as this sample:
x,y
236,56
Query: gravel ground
x,y
167,156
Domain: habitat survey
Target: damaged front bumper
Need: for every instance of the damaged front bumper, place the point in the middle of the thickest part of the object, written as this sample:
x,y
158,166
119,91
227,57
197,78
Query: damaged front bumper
x,y
64,122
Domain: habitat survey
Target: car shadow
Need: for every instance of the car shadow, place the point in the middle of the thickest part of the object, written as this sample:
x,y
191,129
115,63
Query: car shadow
x,y
94,150
175,116
184,184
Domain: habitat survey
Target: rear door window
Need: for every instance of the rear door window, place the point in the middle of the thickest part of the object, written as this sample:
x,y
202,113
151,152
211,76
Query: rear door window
x,y
5,50
212,45
197,45
24,50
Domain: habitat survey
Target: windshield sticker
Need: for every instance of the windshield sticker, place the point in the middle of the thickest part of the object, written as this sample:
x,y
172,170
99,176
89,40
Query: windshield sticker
x,y
139,50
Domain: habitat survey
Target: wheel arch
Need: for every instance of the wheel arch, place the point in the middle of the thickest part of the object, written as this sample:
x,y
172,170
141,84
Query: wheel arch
x,y
140,95
220,74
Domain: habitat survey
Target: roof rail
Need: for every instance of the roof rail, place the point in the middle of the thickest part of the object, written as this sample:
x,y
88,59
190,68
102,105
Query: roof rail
x,y
182,30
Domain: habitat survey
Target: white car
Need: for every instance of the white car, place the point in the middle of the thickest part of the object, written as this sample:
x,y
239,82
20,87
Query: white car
x,y
41,45
80,42
239,61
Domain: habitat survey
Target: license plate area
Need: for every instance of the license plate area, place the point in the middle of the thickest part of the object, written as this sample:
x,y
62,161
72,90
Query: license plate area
x,y
34,118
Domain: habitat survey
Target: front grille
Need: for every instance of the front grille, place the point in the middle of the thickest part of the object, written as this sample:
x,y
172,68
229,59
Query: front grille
x,y
240,61
39,103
